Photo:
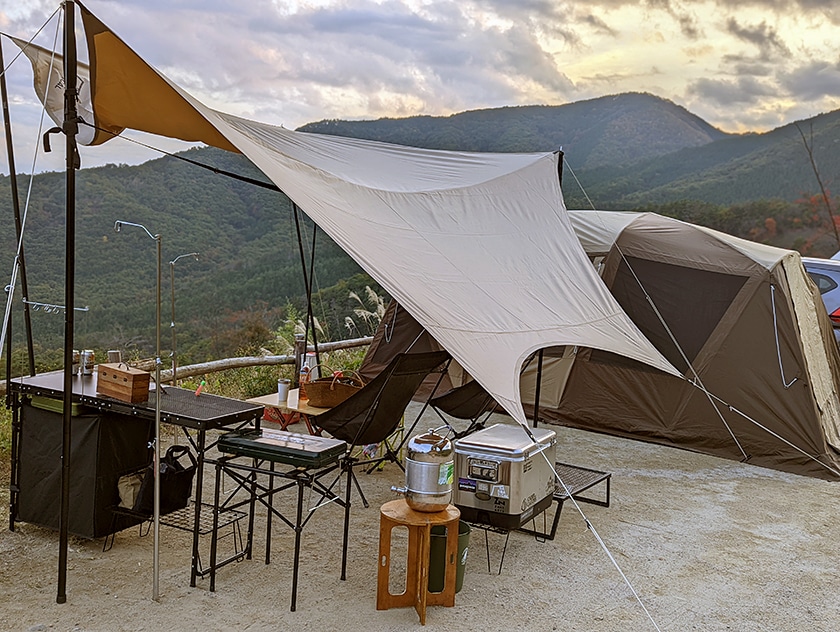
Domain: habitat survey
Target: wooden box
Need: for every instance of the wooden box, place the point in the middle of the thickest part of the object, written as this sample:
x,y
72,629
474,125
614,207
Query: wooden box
x,y
122,382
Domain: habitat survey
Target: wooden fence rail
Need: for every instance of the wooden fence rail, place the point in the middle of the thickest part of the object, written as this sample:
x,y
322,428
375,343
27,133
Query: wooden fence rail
x,y
214,366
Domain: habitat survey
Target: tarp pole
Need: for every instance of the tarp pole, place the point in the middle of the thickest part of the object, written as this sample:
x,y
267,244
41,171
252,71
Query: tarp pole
x,y
309,295
560,156
537,388
10,150
70,128
307,281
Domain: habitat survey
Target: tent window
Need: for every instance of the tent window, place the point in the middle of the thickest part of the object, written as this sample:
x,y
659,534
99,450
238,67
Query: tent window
x,y
824,283
691,301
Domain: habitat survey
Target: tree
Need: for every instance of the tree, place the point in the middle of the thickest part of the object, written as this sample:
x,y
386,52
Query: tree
x,y
809,147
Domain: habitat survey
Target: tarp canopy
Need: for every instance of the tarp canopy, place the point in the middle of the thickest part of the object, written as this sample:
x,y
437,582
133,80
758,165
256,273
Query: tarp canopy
x,y
477,247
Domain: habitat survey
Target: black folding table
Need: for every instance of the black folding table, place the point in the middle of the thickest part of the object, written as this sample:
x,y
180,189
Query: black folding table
x,y
195,415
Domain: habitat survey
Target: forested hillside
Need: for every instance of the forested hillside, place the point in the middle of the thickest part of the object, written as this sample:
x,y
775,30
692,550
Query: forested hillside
x,y
248,271
623,152
774,165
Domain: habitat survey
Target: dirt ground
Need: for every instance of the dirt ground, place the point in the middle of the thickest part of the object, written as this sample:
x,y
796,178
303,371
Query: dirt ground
x,y
707,544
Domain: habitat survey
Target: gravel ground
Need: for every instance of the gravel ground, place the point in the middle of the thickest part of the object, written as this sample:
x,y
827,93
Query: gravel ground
x,y
706,544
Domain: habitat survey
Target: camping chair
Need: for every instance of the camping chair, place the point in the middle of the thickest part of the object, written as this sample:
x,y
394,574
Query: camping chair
x,y
374,412
469,401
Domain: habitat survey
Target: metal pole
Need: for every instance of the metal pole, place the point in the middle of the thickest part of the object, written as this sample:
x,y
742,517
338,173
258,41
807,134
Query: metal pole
x,y
70,130
10,150
172,304
156,573
156,464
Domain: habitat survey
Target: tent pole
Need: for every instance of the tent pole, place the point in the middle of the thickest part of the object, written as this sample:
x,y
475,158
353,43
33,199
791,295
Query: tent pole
x,y
309,295
70,129
307,282
537,388
10,150
560,156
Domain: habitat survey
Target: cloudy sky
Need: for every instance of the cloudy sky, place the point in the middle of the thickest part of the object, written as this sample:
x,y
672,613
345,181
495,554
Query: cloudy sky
x,y
742,65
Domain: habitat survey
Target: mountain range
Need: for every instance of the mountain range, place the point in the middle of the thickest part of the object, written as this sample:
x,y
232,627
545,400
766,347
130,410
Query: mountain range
x,y
629,150
625,151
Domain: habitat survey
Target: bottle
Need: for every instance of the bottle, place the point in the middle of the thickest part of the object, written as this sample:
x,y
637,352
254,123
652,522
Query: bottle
x,y
303,379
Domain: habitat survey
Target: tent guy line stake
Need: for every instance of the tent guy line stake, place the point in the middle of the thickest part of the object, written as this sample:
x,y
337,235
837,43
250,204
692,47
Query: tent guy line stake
x,y
601,542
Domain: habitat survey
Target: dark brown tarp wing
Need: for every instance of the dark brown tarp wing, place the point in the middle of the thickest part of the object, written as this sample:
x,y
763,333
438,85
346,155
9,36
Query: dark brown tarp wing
x,y
399,332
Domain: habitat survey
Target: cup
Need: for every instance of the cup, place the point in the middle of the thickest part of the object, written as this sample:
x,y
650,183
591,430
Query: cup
x,y
282,389
114,356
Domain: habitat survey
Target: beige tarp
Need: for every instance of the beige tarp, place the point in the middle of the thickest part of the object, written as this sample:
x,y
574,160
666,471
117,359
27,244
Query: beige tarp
x,y
478,247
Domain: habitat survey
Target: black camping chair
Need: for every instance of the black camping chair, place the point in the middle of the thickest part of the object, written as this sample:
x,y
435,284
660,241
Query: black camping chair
x,y
469,401
373,413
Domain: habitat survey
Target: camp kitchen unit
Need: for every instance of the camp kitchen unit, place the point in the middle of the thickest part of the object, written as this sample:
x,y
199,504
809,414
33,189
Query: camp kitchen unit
x,y
502,477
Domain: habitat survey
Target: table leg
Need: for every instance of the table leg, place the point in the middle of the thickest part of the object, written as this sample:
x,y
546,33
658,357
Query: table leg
x,y
215,533
269,516
298,530
199,485
14,483
346,466
421,573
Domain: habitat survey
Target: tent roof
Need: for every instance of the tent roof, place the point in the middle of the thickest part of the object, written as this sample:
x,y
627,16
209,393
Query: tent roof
x,y
599,230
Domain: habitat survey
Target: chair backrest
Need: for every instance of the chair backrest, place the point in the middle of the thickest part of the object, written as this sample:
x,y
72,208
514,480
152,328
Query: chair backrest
x,y
468,401
373,413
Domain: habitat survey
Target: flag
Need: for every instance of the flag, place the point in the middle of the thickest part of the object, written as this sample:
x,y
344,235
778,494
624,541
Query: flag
x,y
48,79
118,91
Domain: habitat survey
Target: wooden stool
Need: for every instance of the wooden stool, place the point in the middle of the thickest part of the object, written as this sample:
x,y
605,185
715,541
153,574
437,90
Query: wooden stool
x,y
397,513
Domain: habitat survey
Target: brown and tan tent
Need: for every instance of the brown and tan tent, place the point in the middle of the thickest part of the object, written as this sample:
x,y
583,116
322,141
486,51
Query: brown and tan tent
x,y
741,320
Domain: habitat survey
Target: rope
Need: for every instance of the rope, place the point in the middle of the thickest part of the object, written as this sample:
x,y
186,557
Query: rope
x,y
785,383
699,382
260,183
10,288
31,39
594,532
776,435
389,329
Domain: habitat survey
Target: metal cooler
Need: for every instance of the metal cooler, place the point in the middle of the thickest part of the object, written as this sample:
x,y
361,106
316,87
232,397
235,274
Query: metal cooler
x,y
504,479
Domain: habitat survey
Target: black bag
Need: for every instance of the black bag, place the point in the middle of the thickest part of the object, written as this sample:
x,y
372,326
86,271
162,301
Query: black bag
x,y
175,482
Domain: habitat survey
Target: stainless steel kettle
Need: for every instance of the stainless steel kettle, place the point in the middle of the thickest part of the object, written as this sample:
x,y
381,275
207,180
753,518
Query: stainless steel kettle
x,y
429,471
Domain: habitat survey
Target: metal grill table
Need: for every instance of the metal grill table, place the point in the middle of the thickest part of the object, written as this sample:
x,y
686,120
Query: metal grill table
x,y
307,458
576,480
195,415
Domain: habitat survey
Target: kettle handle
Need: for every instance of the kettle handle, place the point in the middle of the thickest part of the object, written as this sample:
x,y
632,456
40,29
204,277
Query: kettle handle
x,y
444,435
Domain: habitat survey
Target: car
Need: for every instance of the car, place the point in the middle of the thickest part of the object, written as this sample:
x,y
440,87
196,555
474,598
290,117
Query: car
x,y
826,275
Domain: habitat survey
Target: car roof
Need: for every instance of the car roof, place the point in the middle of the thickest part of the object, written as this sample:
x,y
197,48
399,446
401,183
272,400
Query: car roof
x,y
832,264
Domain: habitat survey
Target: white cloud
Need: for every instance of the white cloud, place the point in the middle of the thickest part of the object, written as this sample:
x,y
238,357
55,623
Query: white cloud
x,y
736,64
